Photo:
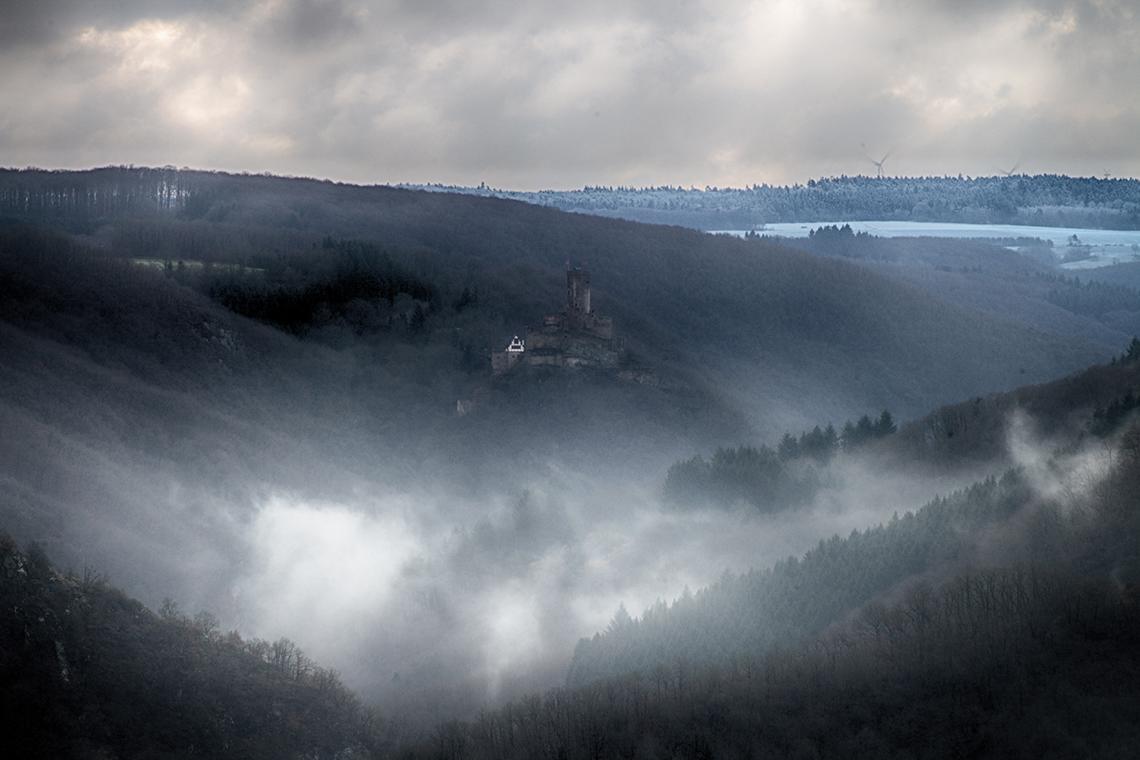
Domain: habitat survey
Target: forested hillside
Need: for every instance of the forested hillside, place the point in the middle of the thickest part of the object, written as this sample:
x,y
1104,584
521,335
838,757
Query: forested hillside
x,y
979,437
1078,416
997,621
1043,199
848,337
1126,274
89,672
1024,286
1092,404
1000,622
771,479
797,599
226,388
1017,663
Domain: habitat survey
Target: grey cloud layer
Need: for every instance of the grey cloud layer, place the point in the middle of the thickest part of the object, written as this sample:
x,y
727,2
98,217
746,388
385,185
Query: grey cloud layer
x,y
551,94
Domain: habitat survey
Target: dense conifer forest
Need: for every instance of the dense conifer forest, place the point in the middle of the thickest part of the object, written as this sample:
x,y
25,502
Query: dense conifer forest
x,y
991,623
766,478
1041,200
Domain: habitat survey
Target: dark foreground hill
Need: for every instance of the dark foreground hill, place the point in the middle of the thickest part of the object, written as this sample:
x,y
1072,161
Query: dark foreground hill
x,y
89,672
1005,664
1001,622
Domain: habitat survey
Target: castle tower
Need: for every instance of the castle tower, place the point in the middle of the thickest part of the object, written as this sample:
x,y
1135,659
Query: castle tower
x,y
577,292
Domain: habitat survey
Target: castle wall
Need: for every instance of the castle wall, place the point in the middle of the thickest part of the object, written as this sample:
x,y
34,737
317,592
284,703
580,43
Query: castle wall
x,y
577,292
543,338
601,327
504,361
545,358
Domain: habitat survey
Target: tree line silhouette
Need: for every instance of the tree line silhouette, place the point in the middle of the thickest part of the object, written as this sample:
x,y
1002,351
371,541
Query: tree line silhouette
x,y
770,479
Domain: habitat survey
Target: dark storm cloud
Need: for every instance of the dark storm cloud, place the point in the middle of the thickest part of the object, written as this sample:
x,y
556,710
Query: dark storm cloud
x,y
29,22
557,94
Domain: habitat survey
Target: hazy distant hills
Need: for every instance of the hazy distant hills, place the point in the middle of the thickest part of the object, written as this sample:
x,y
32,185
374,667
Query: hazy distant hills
x,y
1043,199
1097,306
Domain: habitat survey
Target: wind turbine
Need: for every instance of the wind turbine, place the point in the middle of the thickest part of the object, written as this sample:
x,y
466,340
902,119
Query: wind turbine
x,y
1010,173
878,164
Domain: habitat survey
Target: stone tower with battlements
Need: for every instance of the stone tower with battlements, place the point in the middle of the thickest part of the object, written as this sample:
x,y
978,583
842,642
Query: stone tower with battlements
x,y
577,296
577,337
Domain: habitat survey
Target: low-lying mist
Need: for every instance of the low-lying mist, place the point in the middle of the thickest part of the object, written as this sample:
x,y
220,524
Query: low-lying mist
x,y
430,597
442,599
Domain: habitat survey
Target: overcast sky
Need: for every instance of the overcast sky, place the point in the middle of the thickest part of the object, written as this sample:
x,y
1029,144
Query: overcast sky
x,y
561,94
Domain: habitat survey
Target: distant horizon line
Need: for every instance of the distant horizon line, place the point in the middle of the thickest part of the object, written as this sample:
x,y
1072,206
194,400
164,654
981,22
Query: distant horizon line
x,y
484,187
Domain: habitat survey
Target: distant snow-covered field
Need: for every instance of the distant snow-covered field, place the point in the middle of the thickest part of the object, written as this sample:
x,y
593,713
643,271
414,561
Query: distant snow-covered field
x,y
1094,248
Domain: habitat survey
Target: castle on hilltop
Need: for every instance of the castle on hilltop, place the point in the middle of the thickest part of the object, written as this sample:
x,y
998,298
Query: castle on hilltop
x,y
576,337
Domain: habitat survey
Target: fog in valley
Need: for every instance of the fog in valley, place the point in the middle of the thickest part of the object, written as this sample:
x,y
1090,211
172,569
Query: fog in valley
x,y
426,585
493,594
321,450
429,597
